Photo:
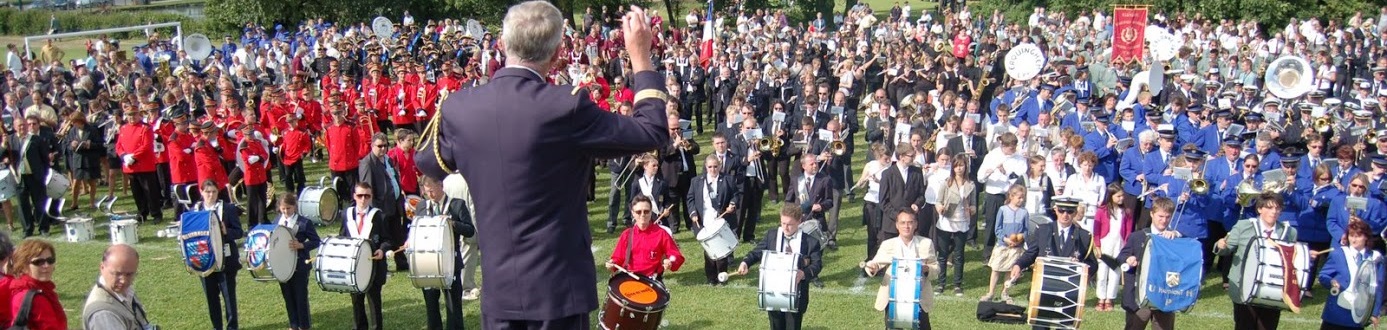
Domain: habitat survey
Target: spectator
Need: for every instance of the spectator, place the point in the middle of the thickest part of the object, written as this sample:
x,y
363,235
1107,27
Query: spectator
x,y
35,262
112,303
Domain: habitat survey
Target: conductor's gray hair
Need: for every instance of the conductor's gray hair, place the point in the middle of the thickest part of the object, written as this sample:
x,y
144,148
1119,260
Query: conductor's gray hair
x,y
531,31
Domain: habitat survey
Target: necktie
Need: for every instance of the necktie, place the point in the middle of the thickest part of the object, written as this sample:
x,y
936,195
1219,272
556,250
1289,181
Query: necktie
x,y
785,244
1064,235
1361,258
1268,232
360,221
712,191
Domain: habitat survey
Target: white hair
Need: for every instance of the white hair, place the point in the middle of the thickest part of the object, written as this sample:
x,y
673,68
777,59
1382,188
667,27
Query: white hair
x,y
531,31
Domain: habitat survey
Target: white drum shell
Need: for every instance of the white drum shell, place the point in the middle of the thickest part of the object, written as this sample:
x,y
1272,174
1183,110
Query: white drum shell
x,y
319,204
906,276
344,265
79,230
777,288
125,232
717,239
432,258
1262,282
57,185
9,184
280,260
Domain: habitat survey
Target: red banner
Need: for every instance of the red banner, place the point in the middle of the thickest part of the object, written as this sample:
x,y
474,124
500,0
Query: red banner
x,y
1129,34
1290,293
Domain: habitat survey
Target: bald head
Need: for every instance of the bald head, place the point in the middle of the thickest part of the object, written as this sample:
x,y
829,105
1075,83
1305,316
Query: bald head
x,y
118,267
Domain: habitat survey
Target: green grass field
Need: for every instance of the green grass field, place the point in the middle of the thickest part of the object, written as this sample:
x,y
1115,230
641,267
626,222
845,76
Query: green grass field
x,y
174,300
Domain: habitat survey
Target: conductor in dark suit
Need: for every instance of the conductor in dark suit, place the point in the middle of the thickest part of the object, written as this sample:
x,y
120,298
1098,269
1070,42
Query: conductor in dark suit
x,y
1060,238
968,145
384,176
29,152
713,195
540,140
789,239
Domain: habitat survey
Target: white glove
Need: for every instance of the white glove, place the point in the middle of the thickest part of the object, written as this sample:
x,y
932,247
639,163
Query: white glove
x,y
299,115
275,150
421,113
187,150
158,147
229,135
273,138
402,113
129,159
214,142
258,135
253,159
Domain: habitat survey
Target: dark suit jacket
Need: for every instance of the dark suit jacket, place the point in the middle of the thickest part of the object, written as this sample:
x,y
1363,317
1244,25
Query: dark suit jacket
x,y
372,169
1135,247
671,169
658,190
728,192
40,145
1045,241
898,193
379,238
979,149
540,140
811,260
821,193
307,234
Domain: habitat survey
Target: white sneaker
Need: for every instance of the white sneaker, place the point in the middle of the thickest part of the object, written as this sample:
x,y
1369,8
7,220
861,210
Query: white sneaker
x,y
473,294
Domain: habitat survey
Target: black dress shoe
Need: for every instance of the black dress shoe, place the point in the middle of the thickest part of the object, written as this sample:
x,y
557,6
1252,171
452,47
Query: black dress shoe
x,y
819,283
611,229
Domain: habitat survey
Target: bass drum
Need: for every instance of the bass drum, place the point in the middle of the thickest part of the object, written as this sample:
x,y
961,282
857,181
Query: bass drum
x,y
319,204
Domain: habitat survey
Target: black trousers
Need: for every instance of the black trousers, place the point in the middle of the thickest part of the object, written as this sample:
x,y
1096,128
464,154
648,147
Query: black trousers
x,y
1158,320
292,177
990,204
165,180
371,296
950,249
872,213
345,180
750,209
255,205
33,196
616,200
711,267
680,194
1248,317
924,318
576,321
786,320
452,299
1316,263
1135,207
148,194
1224,263
295,294
220,288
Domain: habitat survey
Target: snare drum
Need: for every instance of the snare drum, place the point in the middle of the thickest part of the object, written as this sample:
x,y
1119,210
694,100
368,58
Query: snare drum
x,y
634,302
57,185
319,204
125,232
268,254
903,310
717,239
1263,281
344,265
813,227
778,290
79,229
1058,288
9,184
432,258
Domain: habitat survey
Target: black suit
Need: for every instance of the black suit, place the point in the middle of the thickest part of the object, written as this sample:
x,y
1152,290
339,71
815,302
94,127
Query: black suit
x,y
295,292
380,240
898,193
978,148
811,262
725,194
384,196
659,189
33,188
677,168
820,192
1046,241
1136,247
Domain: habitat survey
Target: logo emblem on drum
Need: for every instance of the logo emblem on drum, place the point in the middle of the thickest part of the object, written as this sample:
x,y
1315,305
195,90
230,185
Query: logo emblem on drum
x,y
1172,279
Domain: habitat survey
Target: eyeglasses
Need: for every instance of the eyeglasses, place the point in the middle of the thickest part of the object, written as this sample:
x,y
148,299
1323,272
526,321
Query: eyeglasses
x,y
43,261
640,212
712,166
380,146
363,195
1063,211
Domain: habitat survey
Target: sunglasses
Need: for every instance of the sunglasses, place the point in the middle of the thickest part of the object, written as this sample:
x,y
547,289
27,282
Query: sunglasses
x,y
380,146
363,195
640,212
43,261
1064,211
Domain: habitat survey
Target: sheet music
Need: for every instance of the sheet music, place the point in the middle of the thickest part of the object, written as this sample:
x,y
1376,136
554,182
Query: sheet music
x,y
826,135
1331,163
1356,203
1276,175
1183,174
1087,126
1235,130
1124,144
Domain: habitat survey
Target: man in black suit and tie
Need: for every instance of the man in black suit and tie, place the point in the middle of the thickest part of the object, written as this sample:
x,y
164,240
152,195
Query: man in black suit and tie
x,y
813,192
902,189
29,153
540,140
384,176
1060,238
677,168
650,184
713,196
691,76
789,239
968,145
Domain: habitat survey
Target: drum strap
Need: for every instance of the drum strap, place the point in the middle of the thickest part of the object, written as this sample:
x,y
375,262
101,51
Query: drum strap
x,y
630,240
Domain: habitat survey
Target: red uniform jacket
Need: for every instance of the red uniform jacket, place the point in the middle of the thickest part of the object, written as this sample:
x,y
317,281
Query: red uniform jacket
x,y
625,95
409,175
649,249
272,115
377,93
294,145
182,166
342,148
312,114
256,173
329,82
451,82
162,130
136,139
209,160
400,111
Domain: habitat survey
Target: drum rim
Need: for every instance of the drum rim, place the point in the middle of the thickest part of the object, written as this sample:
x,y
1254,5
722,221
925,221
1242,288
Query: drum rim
x,y
662,295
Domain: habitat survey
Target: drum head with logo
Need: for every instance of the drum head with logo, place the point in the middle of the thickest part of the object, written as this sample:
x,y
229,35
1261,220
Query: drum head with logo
x,y
637,291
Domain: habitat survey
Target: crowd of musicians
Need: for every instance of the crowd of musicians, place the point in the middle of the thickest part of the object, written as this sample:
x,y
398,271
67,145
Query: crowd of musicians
x,y
1082,163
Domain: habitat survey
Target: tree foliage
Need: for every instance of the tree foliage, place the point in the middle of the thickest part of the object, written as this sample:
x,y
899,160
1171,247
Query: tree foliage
x,y
269,12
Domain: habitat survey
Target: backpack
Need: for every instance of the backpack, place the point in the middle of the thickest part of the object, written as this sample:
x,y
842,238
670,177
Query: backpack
x,y
21,319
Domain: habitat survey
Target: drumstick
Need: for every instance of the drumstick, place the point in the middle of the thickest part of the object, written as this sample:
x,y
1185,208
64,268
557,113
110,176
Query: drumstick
x,y
664,213
1316,254
620,269
723,276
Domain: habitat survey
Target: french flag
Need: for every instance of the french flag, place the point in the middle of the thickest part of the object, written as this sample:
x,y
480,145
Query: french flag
x,y
705,54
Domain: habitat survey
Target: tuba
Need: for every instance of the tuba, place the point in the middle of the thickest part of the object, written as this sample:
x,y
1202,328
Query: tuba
x,y
197,46
1289,77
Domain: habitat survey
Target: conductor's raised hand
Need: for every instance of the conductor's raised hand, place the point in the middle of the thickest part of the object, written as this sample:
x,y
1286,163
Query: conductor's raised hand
x,y
635,26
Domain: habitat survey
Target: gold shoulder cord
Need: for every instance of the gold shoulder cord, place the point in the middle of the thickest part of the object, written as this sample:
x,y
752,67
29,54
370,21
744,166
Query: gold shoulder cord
x,y
430,137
